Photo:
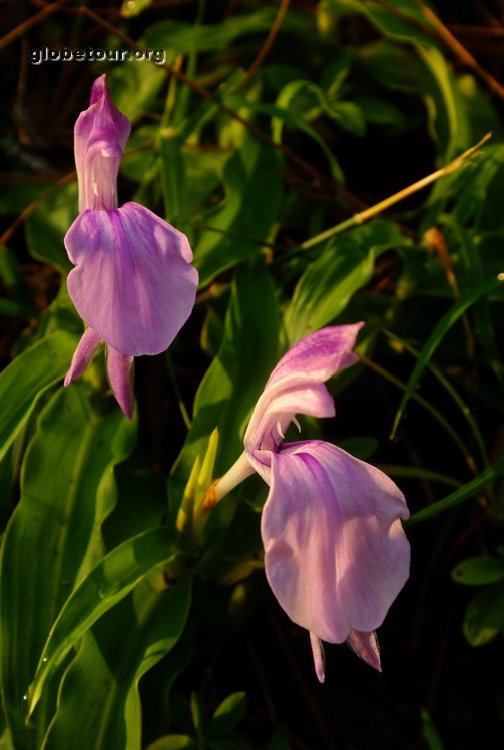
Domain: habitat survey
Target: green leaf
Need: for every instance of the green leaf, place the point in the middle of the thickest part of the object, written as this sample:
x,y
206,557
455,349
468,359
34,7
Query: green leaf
x,y
281,114
470,489
131,8
278,742
21,304
109,582
180,37
236,376
174,742
134,86
484,617
46,228
230,712
199,717
478,571
99,705
442,327
53,537
29,376
247,214
431,734
328,283
402,20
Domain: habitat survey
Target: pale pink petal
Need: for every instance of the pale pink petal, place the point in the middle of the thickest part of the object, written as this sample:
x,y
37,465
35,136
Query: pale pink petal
x,y
82,356
336,554
133,282
318,656
119,373
100,136
296,385
365,645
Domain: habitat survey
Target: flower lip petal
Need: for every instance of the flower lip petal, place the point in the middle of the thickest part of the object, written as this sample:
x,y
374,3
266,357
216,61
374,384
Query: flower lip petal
x,y
133,283
336,554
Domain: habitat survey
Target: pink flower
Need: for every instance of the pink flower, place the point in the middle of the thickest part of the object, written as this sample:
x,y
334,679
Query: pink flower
x,y
133,283
336,555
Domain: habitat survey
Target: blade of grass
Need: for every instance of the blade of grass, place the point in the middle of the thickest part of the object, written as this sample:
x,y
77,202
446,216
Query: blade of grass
x,y
444,325
463,493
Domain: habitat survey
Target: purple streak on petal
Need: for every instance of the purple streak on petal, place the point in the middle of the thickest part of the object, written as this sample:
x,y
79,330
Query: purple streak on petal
x,y
119,372
318,656
365,645
100,136
133,282
336,553
82,355
296,385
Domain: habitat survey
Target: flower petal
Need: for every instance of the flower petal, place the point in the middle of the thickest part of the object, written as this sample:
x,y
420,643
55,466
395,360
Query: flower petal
x,y
82,356
336,553
318,656
100,136
296,385
133,283
365,645
119,372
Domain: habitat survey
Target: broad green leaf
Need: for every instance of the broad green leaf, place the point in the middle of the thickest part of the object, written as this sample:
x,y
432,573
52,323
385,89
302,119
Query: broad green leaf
x,y
21,301
403,19
424,72
29,376
174,742
199,716
246,216
479,571
135,85
442,327
432,736
327,285
236,376
477,191
281,114
278,742
106,584
99,705
46,228
53,536
228,714
470,489
459,136
484,617
131,8
180,37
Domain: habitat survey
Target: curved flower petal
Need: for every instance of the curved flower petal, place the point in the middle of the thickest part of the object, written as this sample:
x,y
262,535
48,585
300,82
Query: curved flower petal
x,y
119,375
365,645
133,282
318,656
100,136
82,356
336,553
296,385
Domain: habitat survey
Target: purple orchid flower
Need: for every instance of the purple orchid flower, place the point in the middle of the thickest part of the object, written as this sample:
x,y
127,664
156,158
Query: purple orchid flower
x,y
336,555
132,284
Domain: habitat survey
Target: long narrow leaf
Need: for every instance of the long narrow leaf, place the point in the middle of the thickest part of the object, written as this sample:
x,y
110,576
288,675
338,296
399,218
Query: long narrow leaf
x,y
437,335
455,498
109,582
